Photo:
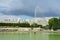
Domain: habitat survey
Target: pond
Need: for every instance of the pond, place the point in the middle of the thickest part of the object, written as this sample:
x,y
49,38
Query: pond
x,y
29,36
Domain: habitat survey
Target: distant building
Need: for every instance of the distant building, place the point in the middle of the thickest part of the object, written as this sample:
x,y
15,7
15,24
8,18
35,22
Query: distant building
x,y
11,19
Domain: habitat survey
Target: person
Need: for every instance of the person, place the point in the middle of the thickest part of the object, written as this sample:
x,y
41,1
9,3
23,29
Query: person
x,y
34,32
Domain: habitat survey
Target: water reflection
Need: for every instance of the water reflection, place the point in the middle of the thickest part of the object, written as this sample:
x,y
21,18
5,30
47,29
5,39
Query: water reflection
x,y
39,36
30,36
54,36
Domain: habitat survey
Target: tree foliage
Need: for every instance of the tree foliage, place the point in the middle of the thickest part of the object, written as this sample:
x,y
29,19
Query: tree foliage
x,y
53,23
24,24
34,25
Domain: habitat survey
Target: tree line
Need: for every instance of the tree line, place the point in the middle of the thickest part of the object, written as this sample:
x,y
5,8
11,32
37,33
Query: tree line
x,y
24,24
53,23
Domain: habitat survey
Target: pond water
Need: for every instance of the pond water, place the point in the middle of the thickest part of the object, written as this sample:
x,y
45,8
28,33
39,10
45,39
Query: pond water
x,y
30,36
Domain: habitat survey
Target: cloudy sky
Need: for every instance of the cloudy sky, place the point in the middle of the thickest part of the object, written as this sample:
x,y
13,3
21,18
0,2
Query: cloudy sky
x,y
27,8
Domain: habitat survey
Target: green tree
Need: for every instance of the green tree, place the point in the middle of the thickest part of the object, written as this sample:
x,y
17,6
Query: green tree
x,y
25,24
53,23
46,27
34,25
59,23
40,26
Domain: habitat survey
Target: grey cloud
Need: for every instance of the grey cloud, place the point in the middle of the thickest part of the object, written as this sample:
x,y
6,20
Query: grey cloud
x,y
27,7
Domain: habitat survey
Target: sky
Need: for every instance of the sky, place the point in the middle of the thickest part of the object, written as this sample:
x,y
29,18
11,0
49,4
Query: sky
x,y
28,8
